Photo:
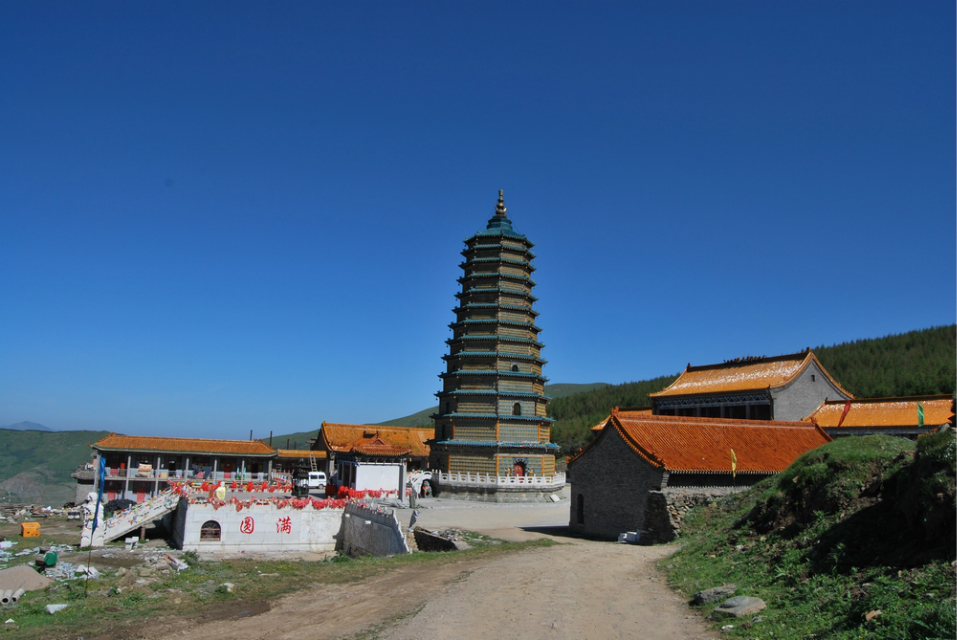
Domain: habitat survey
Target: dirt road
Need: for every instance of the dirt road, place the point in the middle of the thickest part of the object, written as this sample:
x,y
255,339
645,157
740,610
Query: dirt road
x,y
579,589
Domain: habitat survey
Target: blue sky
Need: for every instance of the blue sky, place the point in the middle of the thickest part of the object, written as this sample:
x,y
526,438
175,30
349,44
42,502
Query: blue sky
x,y
224,217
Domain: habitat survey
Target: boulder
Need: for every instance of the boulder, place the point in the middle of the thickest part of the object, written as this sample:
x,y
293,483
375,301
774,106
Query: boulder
x,y
740,606
714,594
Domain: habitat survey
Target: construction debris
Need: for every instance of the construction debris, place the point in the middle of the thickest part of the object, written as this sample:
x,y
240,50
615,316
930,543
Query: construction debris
x,y
23,577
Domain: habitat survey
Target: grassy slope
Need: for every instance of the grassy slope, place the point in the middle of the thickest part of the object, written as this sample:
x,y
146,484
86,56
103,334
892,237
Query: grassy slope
x,y
35,466
856,526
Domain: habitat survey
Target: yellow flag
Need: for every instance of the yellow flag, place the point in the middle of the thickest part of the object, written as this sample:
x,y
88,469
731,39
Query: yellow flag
x,y
734,464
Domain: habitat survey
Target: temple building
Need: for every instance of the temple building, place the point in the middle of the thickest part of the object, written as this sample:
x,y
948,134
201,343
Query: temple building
x,y
371,457
492,434
906,417
140,467
785,387
642,471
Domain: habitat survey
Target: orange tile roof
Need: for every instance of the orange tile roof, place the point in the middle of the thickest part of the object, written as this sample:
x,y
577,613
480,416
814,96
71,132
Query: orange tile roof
x,y
117,442
703,445
301,453
884,412
372,440
742,375
646,411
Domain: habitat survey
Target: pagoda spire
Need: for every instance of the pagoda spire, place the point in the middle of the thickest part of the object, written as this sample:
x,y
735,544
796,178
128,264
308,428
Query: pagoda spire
x,y
500,207
500,221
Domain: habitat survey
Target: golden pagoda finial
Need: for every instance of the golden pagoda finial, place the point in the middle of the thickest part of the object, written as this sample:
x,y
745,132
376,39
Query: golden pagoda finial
x,y
500,207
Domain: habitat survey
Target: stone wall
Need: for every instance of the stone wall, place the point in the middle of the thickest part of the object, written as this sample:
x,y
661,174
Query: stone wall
x,y
666,510
610,488
371,531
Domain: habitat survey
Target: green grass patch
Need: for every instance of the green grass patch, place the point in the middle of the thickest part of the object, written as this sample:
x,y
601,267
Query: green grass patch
x,y
854,527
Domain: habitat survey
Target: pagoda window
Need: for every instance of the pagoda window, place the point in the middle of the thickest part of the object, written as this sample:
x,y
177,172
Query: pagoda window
x,y
515,368
517,409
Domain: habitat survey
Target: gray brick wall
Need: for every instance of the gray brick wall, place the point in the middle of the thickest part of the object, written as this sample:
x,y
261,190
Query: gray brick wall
x,y
798,399
614,482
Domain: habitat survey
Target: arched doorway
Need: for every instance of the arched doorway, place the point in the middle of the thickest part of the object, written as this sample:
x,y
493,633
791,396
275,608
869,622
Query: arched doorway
x,y
518,468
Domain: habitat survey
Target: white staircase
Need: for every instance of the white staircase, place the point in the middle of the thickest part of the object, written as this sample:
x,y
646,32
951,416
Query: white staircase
x,y
138,515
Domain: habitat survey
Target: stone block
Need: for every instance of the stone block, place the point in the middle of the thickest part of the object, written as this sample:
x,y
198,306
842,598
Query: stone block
x,y
740,606
714,594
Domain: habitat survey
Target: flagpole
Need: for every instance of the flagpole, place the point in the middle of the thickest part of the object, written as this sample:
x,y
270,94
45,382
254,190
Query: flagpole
x,y
96,512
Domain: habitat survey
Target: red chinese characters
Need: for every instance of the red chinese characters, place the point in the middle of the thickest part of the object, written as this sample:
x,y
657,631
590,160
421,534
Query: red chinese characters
x,y
284,525
248,525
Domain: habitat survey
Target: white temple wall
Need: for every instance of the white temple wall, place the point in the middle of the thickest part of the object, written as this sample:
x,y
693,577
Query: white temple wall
x,y
259,528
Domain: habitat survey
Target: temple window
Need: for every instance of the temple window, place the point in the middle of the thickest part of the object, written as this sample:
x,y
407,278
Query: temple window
x,y
517,409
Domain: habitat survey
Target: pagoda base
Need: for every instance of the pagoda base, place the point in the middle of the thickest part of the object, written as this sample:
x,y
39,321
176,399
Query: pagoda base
x,y
489,488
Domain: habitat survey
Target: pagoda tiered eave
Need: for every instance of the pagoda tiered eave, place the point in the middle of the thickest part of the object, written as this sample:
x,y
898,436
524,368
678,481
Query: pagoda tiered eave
x,y
499,443
498,245
492,392
495,338
495,416
520,263
502,373
495,275
493,305
514,292
494,354
509,323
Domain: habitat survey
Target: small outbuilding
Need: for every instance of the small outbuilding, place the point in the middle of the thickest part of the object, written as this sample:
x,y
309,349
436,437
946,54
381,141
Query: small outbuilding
x,y
641,471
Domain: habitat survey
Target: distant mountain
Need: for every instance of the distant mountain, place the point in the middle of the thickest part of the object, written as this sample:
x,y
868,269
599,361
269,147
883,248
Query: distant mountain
x,y
27,426
35,466
419,419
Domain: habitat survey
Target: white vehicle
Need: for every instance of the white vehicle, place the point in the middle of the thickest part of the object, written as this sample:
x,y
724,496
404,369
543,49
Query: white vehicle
x,y
317,480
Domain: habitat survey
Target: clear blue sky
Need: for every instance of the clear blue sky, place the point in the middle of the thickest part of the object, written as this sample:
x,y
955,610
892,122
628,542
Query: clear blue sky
x,y
224,216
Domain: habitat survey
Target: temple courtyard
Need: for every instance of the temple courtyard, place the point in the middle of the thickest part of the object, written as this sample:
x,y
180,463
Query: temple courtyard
x,y
576,589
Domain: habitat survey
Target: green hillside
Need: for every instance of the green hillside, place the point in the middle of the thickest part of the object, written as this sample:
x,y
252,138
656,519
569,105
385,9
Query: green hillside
x,y
297,440
855,540
908,364
418,419
35,466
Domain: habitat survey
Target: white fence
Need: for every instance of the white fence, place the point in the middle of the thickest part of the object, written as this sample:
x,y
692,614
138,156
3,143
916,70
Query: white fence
x,y
488,480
